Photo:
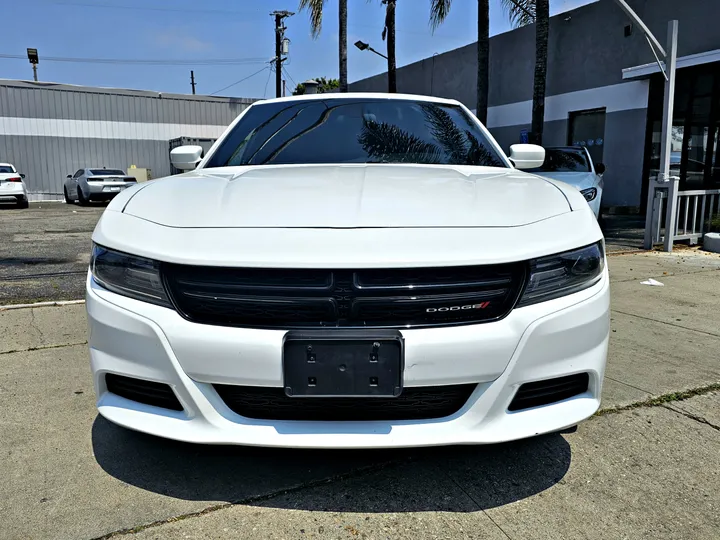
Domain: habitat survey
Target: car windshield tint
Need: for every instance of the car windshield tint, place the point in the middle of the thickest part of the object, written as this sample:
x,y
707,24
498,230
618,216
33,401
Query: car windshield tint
x,y
4,169
105,172
355,131
565,160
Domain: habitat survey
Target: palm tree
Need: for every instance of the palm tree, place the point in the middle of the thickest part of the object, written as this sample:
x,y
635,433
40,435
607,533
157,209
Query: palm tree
x,y
389,31
439,10
315,7
521,13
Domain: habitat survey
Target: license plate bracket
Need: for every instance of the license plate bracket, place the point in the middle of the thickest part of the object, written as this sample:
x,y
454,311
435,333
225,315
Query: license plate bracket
x,y
343,363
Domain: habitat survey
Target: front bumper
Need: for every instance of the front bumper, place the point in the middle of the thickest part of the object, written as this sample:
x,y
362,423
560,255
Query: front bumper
x,y
561,337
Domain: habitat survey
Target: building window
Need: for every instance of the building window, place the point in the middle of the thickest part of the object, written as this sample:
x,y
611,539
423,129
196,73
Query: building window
x,y
694,155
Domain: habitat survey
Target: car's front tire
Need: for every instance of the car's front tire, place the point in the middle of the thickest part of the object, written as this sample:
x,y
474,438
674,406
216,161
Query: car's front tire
x,y
68,200
81,198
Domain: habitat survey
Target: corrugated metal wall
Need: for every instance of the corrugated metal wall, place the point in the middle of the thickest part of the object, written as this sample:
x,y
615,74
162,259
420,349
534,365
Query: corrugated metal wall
x,y
50,130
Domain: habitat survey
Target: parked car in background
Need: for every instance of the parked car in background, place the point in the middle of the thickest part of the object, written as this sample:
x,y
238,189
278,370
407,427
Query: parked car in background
x,y
573,165
12,187
361,270
96,184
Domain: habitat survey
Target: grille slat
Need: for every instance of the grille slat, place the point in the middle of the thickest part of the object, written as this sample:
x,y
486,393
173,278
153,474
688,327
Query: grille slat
x,y
390,298
413,404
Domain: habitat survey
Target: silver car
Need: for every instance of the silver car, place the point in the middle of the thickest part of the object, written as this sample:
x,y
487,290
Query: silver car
x,y
99,184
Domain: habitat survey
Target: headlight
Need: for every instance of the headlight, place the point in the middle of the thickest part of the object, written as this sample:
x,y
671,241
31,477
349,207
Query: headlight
x,y
563,274
135,277
589,193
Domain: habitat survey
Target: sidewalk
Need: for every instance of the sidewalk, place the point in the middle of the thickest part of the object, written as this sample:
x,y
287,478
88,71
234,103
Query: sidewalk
x,y
641,469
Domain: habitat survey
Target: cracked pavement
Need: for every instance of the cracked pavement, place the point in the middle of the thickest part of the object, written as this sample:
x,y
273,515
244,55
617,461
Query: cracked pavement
x,y
648,467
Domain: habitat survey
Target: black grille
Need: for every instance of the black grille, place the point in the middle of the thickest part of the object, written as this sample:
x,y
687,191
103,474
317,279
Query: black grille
x,y
413,404
278,298
147,392
536,394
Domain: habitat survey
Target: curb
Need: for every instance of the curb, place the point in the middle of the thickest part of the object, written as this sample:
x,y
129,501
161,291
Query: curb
x,y
41,304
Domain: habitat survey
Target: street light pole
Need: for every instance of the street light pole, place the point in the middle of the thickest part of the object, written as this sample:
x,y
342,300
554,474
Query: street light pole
x,y
668,70
366,47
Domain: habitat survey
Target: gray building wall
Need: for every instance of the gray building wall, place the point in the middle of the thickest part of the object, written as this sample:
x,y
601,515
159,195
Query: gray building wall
x,y
50,130
587,53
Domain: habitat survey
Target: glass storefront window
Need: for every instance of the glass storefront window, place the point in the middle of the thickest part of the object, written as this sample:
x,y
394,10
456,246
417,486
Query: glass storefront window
x,y
695,155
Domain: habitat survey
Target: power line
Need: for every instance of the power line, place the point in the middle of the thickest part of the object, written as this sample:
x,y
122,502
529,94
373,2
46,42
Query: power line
x,y
238,82
267,82
288,75
151,8
145,61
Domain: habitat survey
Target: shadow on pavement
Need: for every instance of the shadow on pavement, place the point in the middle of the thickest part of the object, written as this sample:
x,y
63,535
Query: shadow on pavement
x,y
452,479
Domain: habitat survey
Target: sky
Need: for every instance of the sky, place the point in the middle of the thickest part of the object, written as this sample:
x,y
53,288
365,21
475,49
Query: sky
x,y
197,31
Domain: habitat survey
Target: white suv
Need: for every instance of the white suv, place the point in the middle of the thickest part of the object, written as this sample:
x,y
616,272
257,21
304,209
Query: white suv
x,y
349,270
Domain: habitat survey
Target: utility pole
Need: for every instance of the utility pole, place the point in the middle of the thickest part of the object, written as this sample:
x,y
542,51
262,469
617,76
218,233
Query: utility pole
x,y
192,81
280,43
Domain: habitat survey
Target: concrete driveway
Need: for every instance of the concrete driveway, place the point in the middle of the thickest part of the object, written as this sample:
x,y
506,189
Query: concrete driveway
x,y
647,467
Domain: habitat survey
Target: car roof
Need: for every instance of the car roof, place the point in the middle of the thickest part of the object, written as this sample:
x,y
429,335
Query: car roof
x,y
7,165
360,95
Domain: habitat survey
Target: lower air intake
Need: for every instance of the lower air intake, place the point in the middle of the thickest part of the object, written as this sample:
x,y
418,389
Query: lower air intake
x,y
413,404
536,394
147,392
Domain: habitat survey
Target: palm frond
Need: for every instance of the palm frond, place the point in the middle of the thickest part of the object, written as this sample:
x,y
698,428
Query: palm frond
x,y
315,8
439,10
520,12
387,143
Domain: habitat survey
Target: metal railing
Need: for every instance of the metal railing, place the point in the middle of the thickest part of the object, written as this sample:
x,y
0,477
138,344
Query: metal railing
x,y
695,211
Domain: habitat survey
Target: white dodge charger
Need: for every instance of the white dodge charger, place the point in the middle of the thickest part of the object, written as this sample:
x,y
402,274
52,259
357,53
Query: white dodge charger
x,y
349,271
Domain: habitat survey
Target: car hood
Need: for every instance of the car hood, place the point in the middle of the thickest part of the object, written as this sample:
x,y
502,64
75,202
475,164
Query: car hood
x,y
581,180
348,196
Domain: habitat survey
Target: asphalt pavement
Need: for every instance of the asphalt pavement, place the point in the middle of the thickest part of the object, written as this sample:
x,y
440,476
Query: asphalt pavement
x,y
648,466
45,251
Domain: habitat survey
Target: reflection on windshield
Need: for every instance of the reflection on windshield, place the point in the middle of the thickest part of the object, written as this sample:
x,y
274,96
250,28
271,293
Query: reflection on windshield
x,y
356,131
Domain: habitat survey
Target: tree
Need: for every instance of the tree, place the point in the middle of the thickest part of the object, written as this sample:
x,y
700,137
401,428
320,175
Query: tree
x,y
521,13
324,85
315,7
389,32
439,10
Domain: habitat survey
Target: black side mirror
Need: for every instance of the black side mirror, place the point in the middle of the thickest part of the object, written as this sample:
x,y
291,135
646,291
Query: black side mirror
x,y
600,168
22,176
69,176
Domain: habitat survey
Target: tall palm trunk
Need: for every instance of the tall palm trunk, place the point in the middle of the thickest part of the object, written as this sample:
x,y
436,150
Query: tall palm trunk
x,y
483,59
390,29
342,52
542,30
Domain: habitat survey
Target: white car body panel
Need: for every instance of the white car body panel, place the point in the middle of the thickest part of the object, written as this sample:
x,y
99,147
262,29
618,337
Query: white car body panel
x,y
11,190
349,196
349,217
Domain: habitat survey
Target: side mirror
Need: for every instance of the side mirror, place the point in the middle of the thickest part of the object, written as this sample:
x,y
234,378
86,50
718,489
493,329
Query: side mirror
x,y
600,168
527,156
22,176
186,158
69,176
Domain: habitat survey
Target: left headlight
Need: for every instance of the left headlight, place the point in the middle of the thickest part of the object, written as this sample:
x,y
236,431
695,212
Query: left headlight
x,y
128,275
589,193
566,273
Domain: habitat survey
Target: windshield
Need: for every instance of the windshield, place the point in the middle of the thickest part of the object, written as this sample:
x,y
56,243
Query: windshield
x,y
564,160
4,169
105,172
355,131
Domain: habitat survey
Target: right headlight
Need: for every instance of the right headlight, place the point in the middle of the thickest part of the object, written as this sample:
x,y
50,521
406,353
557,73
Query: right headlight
x,y
128,275
566,273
